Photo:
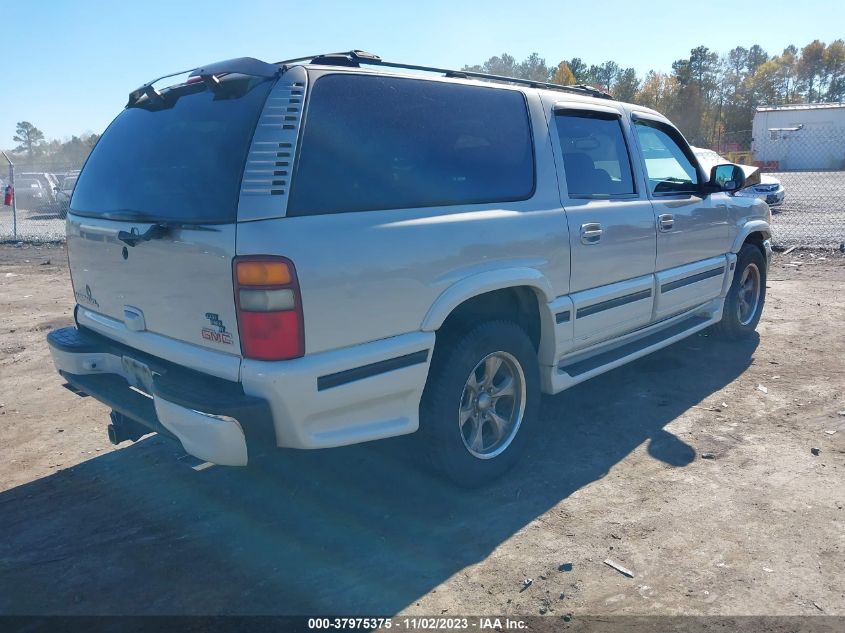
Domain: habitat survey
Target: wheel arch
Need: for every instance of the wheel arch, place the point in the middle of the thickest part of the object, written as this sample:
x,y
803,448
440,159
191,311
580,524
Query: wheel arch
x,y
756,231
482,283
520,295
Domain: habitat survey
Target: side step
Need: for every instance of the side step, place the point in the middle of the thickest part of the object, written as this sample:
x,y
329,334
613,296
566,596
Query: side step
x,y
588,365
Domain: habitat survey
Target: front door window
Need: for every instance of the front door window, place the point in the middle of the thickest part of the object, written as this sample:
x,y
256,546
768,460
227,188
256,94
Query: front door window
x,y
668,168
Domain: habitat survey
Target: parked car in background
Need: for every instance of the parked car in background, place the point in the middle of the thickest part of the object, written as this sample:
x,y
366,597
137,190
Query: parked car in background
x,y
66,188
30,194
769,189
63,194
47,181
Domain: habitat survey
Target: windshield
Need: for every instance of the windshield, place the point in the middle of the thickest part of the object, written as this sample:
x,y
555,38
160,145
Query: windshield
x,y
177,158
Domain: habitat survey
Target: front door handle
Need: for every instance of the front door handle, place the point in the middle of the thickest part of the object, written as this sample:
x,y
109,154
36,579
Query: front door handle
x,y
591,233
666,221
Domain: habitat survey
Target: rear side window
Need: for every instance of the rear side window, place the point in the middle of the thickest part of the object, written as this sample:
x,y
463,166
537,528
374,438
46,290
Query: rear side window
x,y
177,158
595,155
390,143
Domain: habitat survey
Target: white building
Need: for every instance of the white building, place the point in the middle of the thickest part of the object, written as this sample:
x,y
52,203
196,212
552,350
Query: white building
x,y
807,136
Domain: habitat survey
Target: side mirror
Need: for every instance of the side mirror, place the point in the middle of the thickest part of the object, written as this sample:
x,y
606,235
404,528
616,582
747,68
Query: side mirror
x,y
727,178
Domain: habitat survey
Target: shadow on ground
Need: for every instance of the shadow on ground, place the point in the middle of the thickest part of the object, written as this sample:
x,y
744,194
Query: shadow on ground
x,y
47,215
353,530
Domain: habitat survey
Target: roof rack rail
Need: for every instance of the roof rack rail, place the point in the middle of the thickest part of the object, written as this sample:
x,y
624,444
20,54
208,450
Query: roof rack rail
x,y
356,58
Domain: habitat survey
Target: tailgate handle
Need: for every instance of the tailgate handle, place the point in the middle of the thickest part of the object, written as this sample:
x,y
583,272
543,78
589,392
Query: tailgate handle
x,y
131,238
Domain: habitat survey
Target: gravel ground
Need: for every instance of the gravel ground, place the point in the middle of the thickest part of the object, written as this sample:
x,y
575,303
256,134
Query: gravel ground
x,y
813,212
44,226
692,468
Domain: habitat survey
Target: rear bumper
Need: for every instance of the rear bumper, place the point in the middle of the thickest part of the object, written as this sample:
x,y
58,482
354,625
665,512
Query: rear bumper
x,y
345,396
212,418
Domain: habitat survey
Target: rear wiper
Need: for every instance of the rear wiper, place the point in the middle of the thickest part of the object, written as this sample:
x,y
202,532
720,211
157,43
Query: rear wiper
x,y
155,232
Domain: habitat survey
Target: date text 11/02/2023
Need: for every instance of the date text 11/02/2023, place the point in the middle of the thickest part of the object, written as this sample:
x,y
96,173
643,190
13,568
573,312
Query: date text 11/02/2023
x,y
420,623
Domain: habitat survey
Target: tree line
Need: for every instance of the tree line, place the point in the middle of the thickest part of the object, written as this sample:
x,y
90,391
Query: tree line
x,y
711,97
35,153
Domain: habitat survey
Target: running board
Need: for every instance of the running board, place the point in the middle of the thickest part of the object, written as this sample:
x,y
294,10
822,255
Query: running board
x,y
568,374
605,358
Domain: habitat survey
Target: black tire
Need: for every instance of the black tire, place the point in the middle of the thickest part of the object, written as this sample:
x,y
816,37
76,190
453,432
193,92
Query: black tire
x,y
441,436
733,326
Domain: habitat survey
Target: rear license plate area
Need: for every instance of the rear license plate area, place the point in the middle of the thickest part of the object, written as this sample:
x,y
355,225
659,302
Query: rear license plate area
x,y
137,374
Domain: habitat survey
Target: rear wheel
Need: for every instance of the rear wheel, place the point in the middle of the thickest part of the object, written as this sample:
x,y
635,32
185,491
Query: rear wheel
x,y
480,402
744,303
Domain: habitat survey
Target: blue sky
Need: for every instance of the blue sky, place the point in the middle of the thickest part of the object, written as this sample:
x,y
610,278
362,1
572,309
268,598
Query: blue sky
x,y
67,66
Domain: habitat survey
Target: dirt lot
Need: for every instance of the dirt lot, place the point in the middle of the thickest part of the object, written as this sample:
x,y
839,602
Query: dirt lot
x,y
693,468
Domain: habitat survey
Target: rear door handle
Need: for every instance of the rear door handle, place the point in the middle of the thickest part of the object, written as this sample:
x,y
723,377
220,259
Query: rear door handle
x,y
591,233
666,221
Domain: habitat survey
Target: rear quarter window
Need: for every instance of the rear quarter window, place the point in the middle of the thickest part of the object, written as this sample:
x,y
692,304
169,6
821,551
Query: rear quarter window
x,y
373,143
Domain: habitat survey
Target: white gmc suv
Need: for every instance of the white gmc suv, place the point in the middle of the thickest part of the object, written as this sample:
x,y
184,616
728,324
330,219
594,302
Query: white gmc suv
x,y
326,251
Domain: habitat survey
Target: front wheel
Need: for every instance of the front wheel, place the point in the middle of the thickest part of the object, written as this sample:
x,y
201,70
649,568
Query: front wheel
x,y
744,303
480,401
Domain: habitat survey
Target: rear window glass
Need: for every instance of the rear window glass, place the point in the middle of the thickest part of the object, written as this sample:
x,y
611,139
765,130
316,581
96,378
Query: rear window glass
x,y
389,143
595,156
180,158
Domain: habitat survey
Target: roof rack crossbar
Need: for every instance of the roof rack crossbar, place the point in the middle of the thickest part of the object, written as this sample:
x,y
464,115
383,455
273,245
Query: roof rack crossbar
x,y
362,57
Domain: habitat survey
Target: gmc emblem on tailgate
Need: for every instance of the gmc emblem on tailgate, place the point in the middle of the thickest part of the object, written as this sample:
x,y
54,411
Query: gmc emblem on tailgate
x,y
218,332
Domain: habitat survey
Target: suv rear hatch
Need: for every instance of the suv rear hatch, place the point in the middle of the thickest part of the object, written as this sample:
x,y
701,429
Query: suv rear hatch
x,y
151,228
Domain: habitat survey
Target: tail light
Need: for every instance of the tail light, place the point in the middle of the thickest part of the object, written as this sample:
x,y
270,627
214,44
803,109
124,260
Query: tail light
x,y
269,308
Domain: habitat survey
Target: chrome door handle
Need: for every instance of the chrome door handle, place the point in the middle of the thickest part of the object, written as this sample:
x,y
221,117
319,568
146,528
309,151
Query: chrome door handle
x,y
666,221
591,233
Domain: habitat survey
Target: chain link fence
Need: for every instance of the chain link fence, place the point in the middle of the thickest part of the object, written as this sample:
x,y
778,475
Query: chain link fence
x,y
802,175
41,196
806,172
809,164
